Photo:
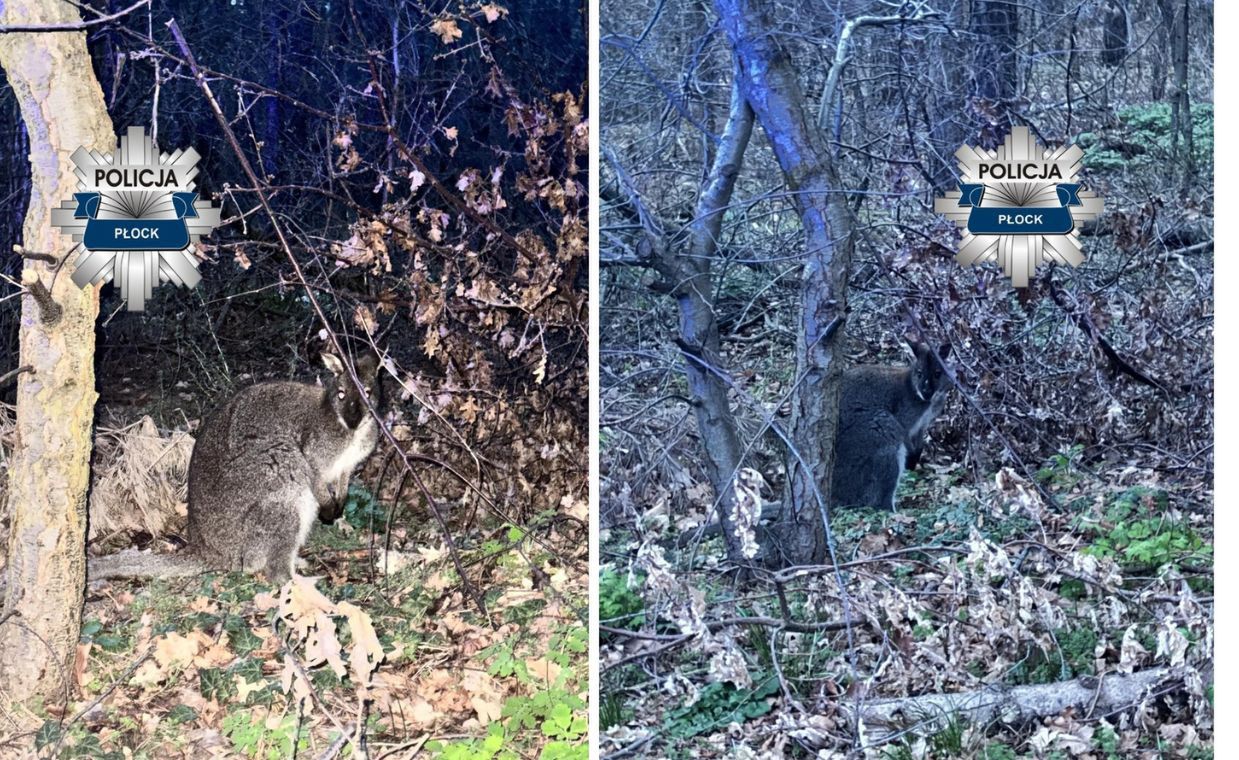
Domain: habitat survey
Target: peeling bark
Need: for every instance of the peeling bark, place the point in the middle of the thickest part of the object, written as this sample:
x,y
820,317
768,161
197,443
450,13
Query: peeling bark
x,y
62,107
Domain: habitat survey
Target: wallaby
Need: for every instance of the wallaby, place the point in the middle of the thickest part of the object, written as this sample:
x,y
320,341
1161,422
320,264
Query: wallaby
x,y
264,466
883,415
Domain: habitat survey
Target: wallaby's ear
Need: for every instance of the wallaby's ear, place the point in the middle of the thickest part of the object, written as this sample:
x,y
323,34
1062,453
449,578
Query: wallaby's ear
x,y
919,349
333,364
944,350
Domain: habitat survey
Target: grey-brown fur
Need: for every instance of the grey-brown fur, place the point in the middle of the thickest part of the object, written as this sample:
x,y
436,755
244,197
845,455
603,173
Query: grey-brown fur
x,y
883,414
264,466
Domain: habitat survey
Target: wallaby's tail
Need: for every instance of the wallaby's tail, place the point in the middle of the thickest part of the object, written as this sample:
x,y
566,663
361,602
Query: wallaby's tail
x,y
132,563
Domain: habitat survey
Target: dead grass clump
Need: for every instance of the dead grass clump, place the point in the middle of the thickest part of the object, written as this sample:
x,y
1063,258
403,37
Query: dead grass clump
x,y
138,480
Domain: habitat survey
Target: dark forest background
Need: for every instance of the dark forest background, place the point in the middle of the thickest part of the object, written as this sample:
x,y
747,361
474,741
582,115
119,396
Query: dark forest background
x,y
427,162
1068,484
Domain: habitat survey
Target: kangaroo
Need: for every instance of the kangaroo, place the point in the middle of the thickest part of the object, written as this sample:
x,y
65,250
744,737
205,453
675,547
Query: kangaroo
x,y
264,466
883,415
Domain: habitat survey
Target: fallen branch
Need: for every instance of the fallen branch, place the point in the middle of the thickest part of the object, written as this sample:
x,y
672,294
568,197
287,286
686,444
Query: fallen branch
x,y
886,719
671,641
1088,327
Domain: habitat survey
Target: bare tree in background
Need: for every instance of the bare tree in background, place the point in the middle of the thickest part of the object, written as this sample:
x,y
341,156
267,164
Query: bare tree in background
x,y
995,24
1176,14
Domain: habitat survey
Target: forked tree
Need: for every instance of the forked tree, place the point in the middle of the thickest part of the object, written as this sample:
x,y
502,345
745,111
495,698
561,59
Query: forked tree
x,y
766,90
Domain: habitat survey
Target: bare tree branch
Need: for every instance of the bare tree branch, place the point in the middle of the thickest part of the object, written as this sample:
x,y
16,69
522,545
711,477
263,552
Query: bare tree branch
x,y
74,26
920,14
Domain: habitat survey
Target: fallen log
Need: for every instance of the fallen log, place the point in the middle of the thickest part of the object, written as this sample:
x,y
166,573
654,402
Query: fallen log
x,y
1091,696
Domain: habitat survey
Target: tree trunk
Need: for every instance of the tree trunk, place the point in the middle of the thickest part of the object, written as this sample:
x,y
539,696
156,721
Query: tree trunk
x,y
995,71
63,108
693,289
772,89
1181,106
944,120
1114,32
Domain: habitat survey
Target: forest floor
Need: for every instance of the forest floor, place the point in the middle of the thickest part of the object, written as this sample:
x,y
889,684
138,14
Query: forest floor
x,y
1090,569
225,666
962,589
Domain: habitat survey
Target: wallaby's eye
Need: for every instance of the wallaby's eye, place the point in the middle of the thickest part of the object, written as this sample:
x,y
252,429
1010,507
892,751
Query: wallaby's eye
x,y
340,395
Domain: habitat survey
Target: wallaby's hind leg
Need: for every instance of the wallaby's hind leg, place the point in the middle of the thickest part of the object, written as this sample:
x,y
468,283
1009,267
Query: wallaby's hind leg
x,y
882,478
280,563
270,547
281,523
869,457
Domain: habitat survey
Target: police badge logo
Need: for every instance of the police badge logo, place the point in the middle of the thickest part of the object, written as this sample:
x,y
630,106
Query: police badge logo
x,y
137,217
1019,205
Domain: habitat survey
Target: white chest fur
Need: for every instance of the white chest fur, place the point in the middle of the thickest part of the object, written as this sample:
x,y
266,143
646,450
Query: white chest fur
x,y
359,447
931,412
307,512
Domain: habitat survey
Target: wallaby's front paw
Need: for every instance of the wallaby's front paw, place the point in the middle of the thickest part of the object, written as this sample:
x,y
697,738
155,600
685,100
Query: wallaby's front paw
x,y
330,510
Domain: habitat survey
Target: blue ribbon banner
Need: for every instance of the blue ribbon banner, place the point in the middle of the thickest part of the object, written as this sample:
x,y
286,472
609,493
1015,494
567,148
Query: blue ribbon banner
x,y
135,234
1020,220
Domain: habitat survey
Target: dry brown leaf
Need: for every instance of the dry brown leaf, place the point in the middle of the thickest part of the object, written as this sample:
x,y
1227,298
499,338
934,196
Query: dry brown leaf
x,y
544,670
148,674
246,688
175,650
365,652
485,695
422,713
204,604
300,603
214,655
324,646
363,317
447,30
290,679
80,659
493,12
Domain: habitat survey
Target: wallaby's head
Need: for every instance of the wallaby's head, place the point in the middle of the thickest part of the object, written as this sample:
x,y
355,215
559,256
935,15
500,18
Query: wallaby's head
x,y
341,393
929,380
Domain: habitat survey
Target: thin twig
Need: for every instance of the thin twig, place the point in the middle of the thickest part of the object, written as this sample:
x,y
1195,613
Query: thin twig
x,y
74,26
7,376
